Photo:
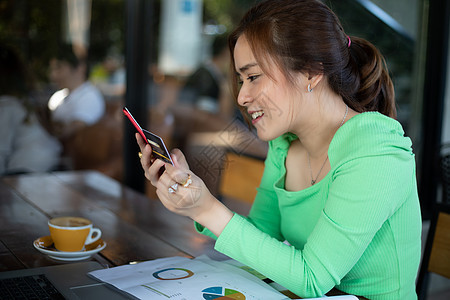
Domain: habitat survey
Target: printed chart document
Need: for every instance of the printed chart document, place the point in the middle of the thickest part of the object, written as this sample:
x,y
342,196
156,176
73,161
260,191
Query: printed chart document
x,y
181,278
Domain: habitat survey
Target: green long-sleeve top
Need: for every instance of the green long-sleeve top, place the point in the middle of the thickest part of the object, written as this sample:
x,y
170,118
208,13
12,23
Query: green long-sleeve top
x,y
358,229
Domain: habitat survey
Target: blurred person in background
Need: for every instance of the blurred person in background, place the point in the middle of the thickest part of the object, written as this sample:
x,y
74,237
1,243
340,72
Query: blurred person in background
x,y
25,146
110,76
75,108
204,102
78,103
206,88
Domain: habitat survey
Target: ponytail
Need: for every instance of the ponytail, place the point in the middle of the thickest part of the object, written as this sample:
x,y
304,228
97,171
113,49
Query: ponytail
x,y
371,88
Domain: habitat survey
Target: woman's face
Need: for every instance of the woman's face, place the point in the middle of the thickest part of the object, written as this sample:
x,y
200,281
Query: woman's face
x,y
273,104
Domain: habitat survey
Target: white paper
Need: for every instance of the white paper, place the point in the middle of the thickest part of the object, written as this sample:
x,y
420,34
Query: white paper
x,y
279,287
181,278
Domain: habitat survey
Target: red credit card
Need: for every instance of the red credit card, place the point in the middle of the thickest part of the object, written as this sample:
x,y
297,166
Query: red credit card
x,y
158,147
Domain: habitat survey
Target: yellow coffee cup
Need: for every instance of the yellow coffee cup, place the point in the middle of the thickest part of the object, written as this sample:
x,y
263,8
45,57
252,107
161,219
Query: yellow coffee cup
x,y
72,233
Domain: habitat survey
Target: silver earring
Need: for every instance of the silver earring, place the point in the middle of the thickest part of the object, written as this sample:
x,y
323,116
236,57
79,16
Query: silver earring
x,y
309,88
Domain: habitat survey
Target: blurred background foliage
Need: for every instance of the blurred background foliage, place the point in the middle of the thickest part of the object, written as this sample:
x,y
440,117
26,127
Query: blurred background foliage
x,y
35,27
226,12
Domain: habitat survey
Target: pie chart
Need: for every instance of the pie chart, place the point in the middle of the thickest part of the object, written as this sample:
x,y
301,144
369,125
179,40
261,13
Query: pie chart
x,y
173,274
218,292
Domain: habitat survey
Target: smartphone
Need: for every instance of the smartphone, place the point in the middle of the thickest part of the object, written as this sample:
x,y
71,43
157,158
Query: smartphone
x,y
159,149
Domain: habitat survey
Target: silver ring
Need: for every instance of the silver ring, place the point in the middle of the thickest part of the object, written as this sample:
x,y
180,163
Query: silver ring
x,y
173,188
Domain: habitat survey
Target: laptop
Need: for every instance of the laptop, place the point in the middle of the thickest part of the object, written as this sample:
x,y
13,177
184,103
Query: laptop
x,y
70,280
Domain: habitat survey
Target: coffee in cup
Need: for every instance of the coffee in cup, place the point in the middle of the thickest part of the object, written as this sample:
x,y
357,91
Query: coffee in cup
x,y
72,233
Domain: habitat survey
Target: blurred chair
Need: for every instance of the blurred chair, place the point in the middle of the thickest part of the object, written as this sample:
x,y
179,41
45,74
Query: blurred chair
x,y
240,177
99,146
436,257
206,152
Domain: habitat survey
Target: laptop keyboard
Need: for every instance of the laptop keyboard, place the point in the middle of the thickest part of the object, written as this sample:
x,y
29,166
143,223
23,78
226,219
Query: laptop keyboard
x,y
28,287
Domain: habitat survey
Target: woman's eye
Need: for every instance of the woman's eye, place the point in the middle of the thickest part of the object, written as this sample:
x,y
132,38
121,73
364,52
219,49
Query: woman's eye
x,y
252,78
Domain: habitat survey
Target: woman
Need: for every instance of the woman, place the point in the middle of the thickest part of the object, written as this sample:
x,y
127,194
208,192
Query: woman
x,y
337,206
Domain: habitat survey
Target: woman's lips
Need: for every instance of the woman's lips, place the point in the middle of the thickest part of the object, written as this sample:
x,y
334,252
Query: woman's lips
x,y
256,116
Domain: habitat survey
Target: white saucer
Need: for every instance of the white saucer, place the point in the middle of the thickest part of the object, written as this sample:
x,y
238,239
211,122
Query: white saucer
x,y
45,245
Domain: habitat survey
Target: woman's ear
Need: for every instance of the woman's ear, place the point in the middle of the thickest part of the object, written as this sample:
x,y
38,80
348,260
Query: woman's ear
x,y
315,80
308,82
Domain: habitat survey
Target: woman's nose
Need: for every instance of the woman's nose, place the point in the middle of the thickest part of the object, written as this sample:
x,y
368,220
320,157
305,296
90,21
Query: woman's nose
x,y
244,97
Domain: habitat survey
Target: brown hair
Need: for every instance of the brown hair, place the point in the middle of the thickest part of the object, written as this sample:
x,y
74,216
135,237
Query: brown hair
x,y
306,36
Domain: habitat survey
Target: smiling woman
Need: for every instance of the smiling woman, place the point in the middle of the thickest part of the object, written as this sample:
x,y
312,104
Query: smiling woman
x,y
337,207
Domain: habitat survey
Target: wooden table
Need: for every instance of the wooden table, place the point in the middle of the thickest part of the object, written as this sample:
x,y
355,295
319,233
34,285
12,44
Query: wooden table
x,y
134,227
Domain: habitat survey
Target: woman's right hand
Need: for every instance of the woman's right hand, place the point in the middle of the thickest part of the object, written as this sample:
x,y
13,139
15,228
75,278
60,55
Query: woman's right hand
x,y
181,191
